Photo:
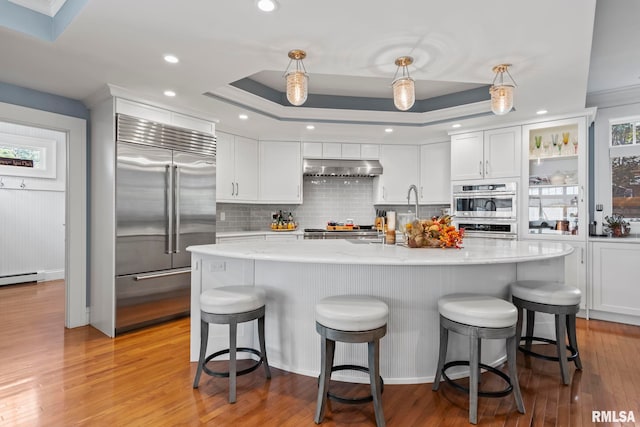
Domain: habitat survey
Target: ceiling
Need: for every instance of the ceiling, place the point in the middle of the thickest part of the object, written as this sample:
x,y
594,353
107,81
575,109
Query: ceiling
x,y
351,47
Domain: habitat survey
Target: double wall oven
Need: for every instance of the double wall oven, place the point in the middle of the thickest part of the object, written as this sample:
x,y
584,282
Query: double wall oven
x,y
486,210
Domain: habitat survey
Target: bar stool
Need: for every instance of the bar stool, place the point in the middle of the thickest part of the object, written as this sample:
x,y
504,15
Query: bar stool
x,y
554,298
478,317
231,305
351,319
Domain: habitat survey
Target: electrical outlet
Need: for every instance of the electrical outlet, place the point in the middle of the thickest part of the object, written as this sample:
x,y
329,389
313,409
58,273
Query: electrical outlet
x,y
222,216
216,267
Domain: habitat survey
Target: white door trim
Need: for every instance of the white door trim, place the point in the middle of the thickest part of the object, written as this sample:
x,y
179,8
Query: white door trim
x,y
75,202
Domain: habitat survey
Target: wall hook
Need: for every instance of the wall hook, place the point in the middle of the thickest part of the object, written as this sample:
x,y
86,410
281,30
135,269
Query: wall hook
x,y
23,185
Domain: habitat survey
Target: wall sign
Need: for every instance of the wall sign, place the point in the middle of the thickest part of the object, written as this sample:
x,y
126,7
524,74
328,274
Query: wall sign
x,y
4,161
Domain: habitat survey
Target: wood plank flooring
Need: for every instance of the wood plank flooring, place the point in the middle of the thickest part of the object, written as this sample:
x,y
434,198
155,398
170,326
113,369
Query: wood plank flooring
x,y
50,376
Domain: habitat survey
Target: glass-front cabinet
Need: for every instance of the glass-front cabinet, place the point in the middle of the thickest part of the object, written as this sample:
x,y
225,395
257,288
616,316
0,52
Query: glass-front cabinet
x,y
554,204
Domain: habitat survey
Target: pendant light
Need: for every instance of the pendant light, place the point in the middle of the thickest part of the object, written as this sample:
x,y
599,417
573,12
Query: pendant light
x,y
501,93
297,79
404,93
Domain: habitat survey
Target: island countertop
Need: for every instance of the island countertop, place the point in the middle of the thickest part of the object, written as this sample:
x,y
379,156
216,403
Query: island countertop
x,y
474,251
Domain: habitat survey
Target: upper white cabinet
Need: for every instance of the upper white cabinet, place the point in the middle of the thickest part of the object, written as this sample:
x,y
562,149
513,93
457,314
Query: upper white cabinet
x,y
435,173
280,172
487,154
337,150
237,168
400,170
554,185
160,115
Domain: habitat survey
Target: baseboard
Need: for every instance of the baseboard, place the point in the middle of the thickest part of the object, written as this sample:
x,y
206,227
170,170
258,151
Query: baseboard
x,y
52,275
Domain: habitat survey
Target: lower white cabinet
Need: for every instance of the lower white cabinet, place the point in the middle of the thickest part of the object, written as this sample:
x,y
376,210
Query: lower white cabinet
x,y
234,239
400,170
616,277
575,270
280,172
435,173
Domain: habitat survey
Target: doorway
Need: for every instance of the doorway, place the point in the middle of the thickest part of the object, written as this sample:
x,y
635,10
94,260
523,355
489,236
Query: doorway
x,y
75,204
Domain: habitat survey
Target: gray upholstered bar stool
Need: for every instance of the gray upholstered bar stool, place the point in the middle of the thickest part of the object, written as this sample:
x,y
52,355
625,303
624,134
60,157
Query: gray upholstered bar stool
x,y
478,317
554,298
351,319
231,305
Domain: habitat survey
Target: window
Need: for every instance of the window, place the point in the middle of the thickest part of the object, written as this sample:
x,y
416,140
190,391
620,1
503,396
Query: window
x,y
624,161
27,156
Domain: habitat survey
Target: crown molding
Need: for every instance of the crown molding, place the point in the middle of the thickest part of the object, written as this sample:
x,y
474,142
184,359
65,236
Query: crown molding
x,y
614,97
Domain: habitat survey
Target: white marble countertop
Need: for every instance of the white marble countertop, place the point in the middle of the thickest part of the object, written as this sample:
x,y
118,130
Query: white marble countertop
x,y
631,238
475,251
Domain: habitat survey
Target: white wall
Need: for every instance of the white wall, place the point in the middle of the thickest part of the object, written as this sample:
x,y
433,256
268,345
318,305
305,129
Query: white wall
x,y
33,217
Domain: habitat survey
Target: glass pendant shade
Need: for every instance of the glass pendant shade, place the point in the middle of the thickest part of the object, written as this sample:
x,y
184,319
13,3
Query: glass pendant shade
x,y
501,99
501,92
404,94
297,82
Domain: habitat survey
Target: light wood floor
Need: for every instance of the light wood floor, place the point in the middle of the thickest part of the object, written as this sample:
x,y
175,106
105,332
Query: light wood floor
x,y
50,376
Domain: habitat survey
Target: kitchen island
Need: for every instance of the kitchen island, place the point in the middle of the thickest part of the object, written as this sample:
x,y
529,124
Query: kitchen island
x,y
298,274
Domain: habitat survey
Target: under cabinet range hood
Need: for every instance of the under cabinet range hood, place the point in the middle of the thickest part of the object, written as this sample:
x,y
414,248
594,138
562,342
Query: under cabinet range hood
x,y
341,167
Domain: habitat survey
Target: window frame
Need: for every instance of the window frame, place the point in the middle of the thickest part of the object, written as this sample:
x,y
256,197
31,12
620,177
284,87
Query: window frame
x,y
627,150
47,166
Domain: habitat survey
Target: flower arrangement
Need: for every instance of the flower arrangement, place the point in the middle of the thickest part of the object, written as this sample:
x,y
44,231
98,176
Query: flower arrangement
x,y
617,225
433,233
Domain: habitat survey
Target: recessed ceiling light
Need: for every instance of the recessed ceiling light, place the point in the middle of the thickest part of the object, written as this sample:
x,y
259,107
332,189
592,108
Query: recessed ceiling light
x,y
169,93
243,116
541,112
388,130
266,5
171,59
311,127
457,125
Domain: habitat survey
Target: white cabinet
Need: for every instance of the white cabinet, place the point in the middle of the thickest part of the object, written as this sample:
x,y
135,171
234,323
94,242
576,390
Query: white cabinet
x,y
554,185
337,150
435,173
236,239
237,168
160,115
280,172
575,270
369,151
312,150
487,154
331,150
400,170
615,271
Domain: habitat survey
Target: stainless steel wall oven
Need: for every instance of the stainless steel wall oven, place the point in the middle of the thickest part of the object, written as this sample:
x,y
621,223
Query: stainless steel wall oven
x,y
486,210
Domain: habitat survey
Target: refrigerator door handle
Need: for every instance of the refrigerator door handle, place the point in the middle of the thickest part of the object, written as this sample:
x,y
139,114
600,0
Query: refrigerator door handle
x,y
163,274
176,198
169,193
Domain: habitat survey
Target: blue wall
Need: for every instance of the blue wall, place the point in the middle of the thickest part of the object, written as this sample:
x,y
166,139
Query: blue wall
x,y
25,97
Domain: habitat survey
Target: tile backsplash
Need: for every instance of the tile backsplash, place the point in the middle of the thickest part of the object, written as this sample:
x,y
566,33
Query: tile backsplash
x,y
325,199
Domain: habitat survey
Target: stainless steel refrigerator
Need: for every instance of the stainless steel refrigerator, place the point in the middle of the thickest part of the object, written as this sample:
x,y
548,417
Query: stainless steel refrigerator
x,y
165,202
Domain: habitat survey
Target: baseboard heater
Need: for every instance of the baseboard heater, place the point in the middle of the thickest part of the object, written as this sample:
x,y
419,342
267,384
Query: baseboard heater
x,y
13,279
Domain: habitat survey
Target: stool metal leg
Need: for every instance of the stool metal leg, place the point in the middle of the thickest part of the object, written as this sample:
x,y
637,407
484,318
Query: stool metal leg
x,y
573,342
474,368
374,378
263,347
531,320
512,346
204,336
444,341
326,361
233,332
561,345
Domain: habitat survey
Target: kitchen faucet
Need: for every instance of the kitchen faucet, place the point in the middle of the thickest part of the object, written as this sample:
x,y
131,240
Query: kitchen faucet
x,y
415,189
